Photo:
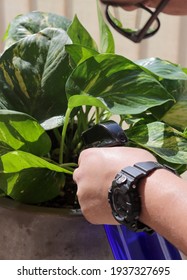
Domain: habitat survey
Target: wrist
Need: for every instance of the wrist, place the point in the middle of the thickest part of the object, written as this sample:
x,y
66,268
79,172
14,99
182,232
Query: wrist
x,y
154,190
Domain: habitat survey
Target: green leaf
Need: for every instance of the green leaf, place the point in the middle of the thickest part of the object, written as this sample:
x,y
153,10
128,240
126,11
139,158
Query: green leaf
x,y
28,178
19,131
106,38
162,140
32,185
177,115
174,79
124,87
79,53
163,68
80,100
31,23
80,36
16,161
33,73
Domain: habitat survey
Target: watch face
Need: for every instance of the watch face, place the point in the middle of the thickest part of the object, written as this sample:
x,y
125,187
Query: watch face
x,y
125,204
124,196
120,202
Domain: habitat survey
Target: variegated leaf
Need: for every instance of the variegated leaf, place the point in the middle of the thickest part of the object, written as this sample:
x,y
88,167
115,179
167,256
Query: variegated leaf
x,y
124,86
33,73
174,79
163,140
31,23
80,36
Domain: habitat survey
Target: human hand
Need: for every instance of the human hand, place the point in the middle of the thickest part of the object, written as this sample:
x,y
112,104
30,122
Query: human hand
x,y
127,5
174,7
97,169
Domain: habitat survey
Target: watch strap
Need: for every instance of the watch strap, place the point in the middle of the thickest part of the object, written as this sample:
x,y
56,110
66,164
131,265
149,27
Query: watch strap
x,y
150,166
142,169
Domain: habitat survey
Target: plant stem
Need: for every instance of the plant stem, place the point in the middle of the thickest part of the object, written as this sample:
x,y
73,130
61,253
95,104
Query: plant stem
x,y
121,121
67,115
57,134
97,116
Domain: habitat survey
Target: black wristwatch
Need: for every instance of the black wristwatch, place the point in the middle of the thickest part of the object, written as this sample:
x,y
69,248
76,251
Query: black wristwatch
x,y
124,197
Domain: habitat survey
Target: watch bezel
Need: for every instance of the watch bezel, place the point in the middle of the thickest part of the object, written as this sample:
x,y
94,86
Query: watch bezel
x,y
126,183
128,212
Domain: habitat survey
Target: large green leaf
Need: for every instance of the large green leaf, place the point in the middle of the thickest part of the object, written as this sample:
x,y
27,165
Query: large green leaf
x,y
33,73
28,178
32,185
163,68
19,131
106,38
79,35
177,115
174,79
162,140
79,53
83,45
124,86
31,23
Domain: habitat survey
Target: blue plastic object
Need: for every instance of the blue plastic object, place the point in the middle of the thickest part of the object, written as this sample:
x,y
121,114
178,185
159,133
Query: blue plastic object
x,y
128,245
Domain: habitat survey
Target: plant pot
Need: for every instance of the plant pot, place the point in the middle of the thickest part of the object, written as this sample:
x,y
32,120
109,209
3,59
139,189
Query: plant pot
x,y
30,232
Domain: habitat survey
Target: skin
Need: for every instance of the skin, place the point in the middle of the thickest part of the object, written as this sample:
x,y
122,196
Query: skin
x,y
163,194
174,7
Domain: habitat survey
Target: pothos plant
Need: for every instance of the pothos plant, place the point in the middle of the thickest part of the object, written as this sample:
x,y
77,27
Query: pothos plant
x,y
55,82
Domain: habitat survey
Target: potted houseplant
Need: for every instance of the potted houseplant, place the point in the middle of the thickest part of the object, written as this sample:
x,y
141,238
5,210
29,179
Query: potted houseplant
x,y
55,83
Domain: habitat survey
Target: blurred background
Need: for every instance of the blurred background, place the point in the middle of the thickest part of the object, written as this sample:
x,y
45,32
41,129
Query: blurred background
x,y
169,43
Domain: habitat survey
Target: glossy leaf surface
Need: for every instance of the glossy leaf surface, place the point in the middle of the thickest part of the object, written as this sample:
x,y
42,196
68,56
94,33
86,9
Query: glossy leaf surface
x,y
124,86
174,79
162,140
79,53
31,23
80,36
19,131
29,178
33,73
107,44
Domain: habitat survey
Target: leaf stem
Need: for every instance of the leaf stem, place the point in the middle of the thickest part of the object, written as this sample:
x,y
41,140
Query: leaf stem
x,y
57,134
67,115
97,115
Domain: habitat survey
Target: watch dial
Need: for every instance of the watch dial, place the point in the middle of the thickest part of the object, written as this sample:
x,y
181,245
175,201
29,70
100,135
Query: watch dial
x,y
120,203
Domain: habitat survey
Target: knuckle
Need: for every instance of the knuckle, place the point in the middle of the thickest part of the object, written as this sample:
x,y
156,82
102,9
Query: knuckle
x,y
76,175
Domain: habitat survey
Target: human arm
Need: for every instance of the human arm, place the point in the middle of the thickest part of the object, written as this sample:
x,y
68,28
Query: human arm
x,y
163,194
174,7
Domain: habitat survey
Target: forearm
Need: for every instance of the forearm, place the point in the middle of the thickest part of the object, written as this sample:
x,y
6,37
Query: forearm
x,y
164,206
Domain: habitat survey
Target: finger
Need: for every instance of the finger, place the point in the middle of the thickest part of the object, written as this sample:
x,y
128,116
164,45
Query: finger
x,y
127,5
122,2
75,175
